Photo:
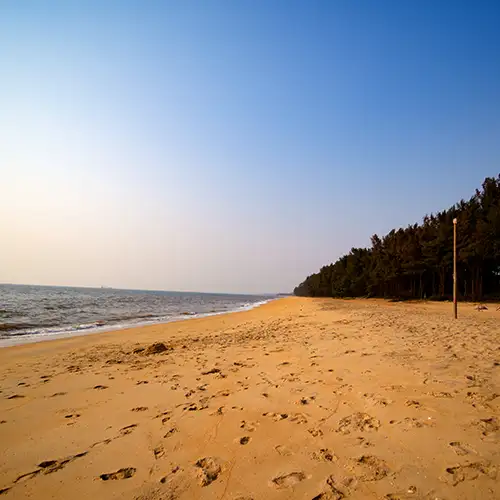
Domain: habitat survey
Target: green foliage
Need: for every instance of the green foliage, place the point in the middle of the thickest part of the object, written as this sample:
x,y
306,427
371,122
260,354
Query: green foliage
x,y
417,262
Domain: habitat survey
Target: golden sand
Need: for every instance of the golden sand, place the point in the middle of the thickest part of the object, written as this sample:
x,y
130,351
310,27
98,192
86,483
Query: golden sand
x,y
300,398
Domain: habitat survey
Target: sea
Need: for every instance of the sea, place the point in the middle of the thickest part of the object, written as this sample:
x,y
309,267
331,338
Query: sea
x,y
33,313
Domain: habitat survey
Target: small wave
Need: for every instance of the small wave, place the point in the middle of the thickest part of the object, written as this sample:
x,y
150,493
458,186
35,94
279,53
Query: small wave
x,y
33,333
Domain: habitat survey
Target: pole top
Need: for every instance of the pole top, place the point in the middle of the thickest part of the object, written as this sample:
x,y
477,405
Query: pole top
x,y
454,221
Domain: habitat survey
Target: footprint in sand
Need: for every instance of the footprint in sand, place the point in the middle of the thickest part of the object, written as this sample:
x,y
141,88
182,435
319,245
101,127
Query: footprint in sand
x,y
376,400
364,442
158,452
324,455
288,480
72,416
244,440
209,469
333,490
201,405
100,387
28,475
414,423
276,416
248,426
306,400
56,394
315,432
125,473
139,408
358,422
17,396
489,426
166,478
371,468
462,448
441,394
170,432
100,443
127,429
283,450
50,466
211,371
165,416
408,494
412,403
469,472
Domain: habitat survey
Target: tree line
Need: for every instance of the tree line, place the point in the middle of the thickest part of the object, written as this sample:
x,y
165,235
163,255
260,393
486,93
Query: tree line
x,y
417,262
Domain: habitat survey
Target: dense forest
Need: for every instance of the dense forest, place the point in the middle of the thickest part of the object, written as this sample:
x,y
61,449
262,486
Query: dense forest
x,y
417,262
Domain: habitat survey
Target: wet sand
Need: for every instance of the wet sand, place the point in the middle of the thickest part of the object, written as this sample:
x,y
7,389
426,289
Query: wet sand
x,y
300,398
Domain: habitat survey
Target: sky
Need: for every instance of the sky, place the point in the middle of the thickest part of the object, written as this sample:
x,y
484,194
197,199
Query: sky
x,y
234,146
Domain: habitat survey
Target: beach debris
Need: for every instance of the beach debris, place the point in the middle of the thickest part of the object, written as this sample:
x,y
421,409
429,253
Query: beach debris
x,y
124,473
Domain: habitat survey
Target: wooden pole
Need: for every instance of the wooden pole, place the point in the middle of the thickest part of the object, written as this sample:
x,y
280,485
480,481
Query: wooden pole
x,y
455,268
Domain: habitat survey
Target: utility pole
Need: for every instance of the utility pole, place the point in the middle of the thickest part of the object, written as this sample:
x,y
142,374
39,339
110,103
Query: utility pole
x,y
455,267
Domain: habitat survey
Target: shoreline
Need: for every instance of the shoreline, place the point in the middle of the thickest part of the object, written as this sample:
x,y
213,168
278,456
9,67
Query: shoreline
x,y
299,398
17,340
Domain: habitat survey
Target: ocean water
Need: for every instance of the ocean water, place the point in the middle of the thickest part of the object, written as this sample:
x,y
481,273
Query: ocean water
x,y
31,313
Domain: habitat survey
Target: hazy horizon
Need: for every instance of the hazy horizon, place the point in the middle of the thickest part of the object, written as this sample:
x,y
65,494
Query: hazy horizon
x,y
105,287
234,147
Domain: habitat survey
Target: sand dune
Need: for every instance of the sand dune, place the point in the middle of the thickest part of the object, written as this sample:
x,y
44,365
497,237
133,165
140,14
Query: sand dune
x,y
300,398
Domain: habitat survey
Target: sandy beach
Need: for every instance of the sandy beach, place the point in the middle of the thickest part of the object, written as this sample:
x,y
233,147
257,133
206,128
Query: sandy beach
x,y
299,398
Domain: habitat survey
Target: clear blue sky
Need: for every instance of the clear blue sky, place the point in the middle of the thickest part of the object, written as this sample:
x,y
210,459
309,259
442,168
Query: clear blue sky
x,y
237,145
